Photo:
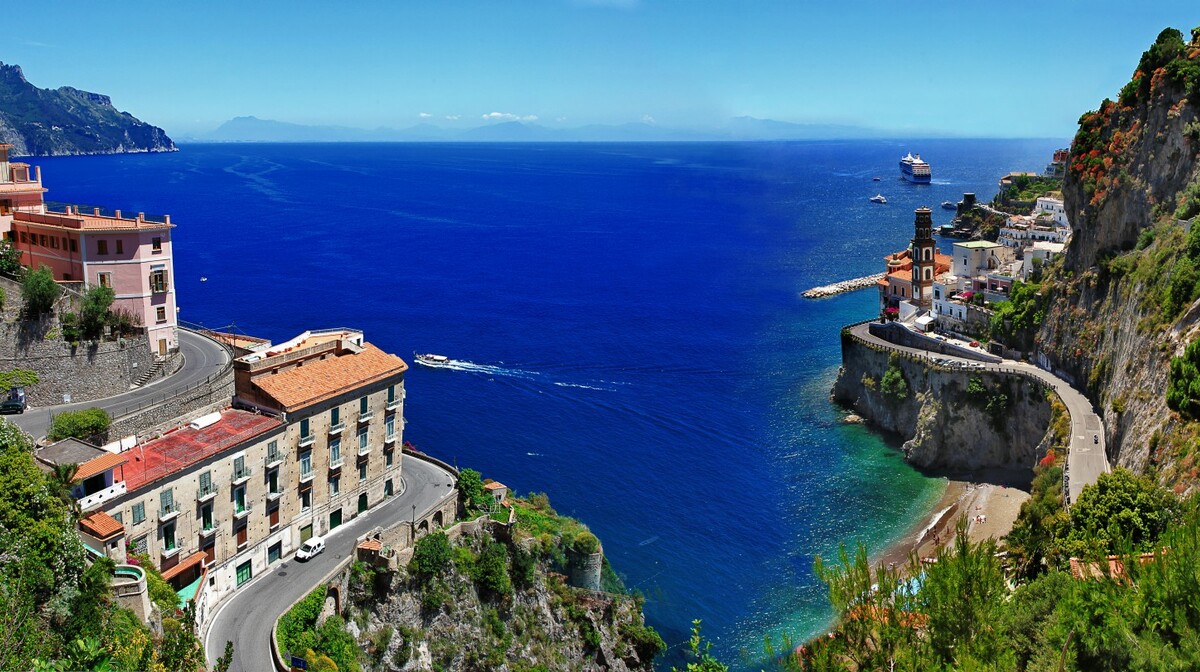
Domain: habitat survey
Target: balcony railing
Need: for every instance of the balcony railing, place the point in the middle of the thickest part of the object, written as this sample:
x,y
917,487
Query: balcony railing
x,y
306,441
366,417
206,492
240,510
336,462
337,429
389,438
393,404
97,498
241,475
306,476
273,495
274,459
207,530
167,512
170,551
364,448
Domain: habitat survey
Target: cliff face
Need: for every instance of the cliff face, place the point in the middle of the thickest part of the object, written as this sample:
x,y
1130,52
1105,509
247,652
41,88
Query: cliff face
x,y
1119,299
952,420
69,121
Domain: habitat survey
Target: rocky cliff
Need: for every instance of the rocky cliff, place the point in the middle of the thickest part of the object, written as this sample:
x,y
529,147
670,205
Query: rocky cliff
x,y
1122,301
51,122
951,419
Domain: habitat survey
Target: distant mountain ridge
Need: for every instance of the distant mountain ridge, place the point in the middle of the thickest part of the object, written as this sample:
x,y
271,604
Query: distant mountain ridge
x,y
65,121
253,129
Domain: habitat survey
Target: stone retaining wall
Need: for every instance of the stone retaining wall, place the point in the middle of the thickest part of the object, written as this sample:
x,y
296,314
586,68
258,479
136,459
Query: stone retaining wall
x,y
204,398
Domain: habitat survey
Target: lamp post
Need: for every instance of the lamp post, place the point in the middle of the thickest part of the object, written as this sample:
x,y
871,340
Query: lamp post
x,y
412,528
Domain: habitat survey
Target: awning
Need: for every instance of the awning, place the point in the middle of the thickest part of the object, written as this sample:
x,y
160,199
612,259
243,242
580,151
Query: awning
x,y
184,565
925,320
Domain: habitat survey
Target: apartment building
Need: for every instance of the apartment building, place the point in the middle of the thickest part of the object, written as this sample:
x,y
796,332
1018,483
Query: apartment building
x,y
312,440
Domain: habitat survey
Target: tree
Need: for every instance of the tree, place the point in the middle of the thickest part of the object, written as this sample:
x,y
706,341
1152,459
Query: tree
x,y
39,292
10,260
431,556
492,569
63,481
1183,381
1119,509
226,658
93,314
80,424
893,384
470,491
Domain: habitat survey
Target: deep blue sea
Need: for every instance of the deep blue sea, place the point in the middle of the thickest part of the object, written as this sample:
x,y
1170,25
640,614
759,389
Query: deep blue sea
x,y
640,348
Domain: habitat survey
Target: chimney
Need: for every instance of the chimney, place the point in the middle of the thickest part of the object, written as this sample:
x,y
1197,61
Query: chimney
x,y
96,211
166,219
118,214
38,170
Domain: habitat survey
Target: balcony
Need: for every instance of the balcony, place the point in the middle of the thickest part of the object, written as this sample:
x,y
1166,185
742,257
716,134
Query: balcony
x,y
240,510
336,462
273,459
241,475
394,404
306,476
97,498
273,495
364,418
390,438
364,449
337,429
306,441
168,552
208,530
206,492
168,512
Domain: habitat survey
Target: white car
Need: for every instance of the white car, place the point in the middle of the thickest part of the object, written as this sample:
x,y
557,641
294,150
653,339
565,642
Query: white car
x,y
310,548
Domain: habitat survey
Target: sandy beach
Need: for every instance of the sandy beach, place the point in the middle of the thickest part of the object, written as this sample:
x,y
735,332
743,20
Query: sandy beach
x,y
990,510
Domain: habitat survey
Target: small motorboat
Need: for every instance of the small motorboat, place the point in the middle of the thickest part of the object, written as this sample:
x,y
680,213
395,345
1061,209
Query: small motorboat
x,y
874,179
878,198
432,359
204,278
947,205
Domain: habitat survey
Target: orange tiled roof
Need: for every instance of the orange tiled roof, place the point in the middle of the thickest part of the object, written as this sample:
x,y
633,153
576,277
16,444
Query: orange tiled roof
x,y
99,465
371,545
101,525
317,381
191,561
494,485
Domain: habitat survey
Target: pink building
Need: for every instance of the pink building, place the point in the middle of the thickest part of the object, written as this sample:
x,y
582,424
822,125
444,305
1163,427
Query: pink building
x,y
130,255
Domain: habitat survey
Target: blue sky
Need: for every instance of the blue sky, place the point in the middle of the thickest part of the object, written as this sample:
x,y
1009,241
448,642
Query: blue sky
x,y
995,69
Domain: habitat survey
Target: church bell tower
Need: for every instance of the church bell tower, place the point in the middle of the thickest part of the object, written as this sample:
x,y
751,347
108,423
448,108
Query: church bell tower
x,y
924,253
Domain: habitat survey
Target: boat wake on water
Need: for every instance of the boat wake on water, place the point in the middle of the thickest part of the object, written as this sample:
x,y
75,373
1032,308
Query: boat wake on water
x,y
493,370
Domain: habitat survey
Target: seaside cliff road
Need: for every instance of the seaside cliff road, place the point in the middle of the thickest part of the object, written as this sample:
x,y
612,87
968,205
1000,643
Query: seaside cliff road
x,y
1087,457
202,357
248,616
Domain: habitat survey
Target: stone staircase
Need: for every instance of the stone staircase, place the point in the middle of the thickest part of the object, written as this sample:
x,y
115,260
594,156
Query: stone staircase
x,y
149,374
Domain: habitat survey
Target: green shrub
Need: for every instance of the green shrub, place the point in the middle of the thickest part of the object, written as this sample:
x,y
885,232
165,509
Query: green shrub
x,y
471,493
492,569
431,557
93,314
80,424
39,292
585,543
17,378
893,384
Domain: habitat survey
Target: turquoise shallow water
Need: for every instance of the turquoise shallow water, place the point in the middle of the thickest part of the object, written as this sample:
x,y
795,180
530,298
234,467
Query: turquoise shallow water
x,y
641,351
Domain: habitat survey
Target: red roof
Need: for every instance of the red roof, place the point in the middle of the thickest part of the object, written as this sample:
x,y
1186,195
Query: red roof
x,y
371,545
185,446
191,561
99,465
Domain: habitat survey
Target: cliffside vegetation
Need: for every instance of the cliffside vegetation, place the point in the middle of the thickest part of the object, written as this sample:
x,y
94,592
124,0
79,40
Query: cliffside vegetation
x,y
486,597
69,121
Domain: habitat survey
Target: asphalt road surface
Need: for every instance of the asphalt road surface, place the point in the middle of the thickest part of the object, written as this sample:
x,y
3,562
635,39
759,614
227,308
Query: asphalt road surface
x,y
202,357
1087,458
248,615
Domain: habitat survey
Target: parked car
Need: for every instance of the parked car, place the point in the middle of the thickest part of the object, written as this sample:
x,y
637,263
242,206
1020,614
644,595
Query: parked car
x,y
14,402
310,548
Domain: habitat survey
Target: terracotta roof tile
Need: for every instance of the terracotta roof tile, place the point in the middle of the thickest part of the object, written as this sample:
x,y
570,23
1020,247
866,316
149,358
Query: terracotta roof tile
x,y
101,525
99,465
191,561
371,545
317,381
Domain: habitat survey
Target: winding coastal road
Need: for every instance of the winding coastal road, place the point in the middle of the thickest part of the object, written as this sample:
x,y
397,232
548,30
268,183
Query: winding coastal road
x,y
202,357
1086,459
248,616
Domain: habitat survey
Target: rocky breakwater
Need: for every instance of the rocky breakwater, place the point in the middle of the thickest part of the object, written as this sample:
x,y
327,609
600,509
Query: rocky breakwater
x,y
841,287
952,420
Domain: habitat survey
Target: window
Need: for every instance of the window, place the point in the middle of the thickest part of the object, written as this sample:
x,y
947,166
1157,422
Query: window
x,y
304,428
160,314
335,483
242,536
120,247
362,406
239,500
362,440
306,500
169,537
391,393
239,467
74,247
42,238
362,471
306,464
119,517
206,517
156,245
54,242
158,281
105,279
101,247
139,512
335,453
390,456
389,427
167,502
206,484
244,572
24,237
141,544
387,488
335,417
273,518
